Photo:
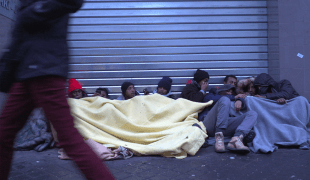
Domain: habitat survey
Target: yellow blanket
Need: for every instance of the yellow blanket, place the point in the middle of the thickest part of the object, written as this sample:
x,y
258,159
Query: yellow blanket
x,y
147,125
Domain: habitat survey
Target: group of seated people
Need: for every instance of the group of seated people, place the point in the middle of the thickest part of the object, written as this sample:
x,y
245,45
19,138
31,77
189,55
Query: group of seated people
x,y
217,118
128,90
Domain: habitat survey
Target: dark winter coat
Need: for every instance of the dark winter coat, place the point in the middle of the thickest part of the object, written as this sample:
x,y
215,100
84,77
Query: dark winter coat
x,y
192,92
283,89
39,37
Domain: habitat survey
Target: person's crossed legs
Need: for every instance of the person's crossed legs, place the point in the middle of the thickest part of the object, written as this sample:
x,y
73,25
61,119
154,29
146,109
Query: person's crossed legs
x,y
218,123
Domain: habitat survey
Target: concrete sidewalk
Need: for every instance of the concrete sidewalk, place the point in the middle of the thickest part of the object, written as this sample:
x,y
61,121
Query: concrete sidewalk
x,y
206,164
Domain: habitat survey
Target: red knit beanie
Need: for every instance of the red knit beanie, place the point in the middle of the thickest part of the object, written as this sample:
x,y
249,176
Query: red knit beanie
x,y
74,84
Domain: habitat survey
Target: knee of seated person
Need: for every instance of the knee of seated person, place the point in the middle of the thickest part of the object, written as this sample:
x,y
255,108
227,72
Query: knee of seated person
x,y
253,114
302,98
224,100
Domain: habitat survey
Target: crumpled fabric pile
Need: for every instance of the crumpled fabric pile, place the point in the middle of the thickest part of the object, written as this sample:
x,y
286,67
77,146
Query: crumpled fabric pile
x,y
36,133
102,152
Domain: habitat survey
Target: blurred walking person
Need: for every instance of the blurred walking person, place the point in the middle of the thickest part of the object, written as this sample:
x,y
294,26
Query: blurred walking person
x,y
39,45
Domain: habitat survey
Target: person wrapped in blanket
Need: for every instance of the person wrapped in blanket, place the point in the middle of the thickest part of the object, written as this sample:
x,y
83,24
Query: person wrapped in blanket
x,y
102,92
163,88
291,116
246,86
267,87
75,89
216,118
264,86
128,91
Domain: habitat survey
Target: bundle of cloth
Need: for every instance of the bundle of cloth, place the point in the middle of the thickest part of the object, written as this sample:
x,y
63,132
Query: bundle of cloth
x,y
146,125
102,152
36,133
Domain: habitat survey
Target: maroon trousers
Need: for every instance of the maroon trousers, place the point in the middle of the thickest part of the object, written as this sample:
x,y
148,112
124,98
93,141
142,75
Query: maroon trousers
x,y
47,92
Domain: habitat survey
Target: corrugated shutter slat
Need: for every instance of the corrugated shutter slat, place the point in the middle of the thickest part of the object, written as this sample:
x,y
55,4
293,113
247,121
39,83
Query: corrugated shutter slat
x,y
141,41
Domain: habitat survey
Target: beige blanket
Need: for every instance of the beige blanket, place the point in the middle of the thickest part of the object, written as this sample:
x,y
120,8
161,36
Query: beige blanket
x,y
147,125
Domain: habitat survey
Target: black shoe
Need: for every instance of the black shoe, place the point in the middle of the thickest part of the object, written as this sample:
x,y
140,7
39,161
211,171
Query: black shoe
x,y
249,137
206,144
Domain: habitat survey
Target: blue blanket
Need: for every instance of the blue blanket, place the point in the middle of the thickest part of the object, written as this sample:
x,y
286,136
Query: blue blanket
x,y
286,125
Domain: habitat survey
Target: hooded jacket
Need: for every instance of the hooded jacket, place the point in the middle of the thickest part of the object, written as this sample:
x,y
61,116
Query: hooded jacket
x,y
39,37
192,92
282,89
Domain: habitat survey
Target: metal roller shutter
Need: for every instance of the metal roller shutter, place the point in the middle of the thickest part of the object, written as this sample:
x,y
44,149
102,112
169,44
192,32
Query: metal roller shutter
x,y
141,41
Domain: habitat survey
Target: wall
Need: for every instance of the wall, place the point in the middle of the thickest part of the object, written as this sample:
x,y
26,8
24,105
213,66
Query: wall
x,y
273,39
142,41
294,38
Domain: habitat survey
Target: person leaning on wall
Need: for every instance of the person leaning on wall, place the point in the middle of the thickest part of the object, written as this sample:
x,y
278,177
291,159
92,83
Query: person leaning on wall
x,y
75,89
164,87
128,91
197,89
102,92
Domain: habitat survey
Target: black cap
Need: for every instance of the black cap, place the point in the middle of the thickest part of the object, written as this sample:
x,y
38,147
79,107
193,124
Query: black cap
x,y
124,87
165,82
200,75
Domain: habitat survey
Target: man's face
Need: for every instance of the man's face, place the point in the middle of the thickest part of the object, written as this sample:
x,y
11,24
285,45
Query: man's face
x,y
162,91
104,94
206,80
252,90
101,94
231,81
130,92
77,94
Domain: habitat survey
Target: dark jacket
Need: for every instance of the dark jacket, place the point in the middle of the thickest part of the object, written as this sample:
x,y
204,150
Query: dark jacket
x,y
215,97
192,92
39,37
283,89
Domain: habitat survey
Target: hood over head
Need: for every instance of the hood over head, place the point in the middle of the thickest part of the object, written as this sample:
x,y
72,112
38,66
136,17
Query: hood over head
x,y
265,81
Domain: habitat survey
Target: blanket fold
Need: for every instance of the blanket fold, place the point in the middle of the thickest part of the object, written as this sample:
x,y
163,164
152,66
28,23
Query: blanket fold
x,y
147,125
286,125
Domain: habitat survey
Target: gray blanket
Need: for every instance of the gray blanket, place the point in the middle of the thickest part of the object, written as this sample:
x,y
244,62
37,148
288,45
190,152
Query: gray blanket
x,y
36,133
286,125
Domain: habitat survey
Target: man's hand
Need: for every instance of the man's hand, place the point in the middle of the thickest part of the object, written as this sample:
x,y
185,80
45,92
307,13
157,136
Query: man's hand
x,y
96,94
204,86
240,96
281,101
238,105
260,96
146,92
